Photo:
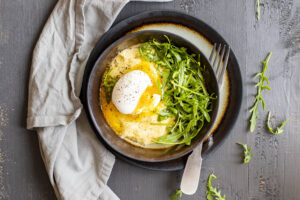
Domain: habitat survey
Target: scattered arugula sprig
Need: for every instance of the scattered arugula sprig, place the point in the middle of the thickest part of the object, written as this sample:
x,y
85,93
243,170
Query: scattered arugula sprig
x,y
108,83
177,195
247,154
260,87
278,129
212,192
182,88
258,9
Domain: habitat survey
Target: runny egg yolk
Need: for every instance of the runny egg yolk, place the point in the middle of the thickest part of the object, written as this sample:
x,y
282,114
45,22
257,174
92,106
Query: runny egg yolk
x,y
147,104
139,121
151,96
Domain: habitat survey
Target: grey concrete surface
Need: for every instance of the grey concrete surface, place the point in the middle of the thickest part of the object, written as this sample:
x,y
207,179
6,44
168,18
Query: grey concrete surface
x,y
272,174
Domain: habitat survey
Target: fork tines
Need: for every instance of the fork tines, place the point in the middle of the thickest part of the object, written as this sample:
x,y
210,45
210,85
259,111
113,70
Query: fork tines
x,y
218,62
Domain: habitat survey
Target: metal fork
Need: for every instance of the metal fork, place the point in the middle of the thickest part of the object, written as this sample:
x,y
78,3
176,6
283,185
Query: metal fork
x,y
191,174
216,59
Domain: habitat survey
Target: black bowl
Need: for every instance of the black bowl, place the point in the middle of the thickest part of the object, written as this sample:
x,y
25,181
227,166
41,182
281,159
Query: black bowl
x,y
105,131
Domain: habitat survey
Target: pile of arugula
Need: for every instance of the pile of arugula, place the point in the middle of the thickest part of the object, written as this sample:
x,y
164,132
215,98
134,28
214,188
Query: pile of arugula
x,y
182,88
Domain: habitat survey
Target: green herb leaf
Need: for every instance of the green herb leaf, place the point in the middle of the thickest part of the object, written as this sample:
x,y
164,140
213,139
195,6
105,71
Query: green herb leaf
x,y
212,192
177,195
247,154
258,9
278,129
260,87
109,83
165,114
183,90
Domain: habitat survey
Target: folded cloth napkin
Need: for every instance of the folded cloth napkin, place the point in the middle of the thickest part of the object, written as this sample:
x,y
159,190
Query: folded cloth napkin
x,y
77,163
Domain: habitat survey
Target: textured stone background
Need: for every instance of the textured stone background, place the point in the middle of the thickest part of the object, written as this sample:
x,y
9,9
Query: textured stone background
x,y
273,173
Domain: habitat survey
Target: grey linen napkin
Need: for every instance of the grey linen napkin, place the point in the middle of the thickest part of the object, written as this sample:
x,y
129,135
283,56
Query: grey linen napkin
x,y
77,163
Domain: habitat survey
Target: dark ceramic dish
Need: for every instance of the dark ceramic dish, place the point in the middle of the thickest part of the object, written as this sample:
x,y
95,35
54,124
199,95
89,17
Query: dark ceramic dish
x,y
121,28
106,132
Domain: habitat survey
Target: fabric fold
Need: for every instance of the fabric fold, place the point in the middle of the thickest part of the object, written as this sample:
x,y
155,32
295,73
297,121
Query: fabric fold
x,y
78,165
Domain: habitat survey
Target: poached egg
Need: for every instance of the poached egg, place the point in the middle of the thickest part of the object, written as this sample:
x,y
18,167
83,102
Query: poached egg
x,y
139,125
134,93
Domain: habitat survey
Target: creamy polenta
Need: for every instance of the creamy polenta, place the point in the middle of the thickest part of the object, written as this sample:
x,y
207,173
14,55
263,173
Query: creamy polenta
x,y
141,127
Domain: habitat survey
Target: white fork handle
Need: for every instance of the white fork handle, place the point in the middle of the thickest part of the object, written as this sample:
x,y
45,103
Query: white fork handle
x,y
191,174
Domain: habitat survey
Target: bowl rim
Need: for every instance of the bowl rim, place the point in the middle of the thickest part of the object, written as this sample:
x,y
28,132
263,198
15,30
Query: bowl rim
x,y
93,118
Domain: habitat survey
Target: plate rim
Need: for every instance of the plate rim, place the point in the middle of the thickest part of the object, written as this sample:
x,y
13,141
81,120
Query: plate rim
x,y
128,22
91,79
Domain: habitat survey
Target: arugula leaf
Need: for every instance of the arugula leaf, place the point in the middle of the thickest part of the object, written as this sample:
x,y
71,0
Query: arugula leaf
x,y
164,114
247,154
177,195
278,129
165,77
108,83
258,9
260,87
212,192
183,90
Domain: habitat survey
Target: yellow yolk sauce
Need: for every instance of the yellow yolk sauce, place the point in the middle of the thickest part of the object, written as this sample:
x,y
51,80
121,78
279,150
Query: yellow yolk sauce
x,y
141,126
145,103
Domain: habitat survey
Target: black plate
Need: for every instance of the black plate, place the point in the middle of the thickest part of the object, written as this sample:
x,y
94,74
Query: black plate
x,y
106,132
151,17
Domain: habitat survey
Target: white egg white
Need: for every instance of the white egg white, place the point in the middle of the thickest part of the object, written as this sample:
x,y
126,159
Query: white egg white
x,y
128,90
